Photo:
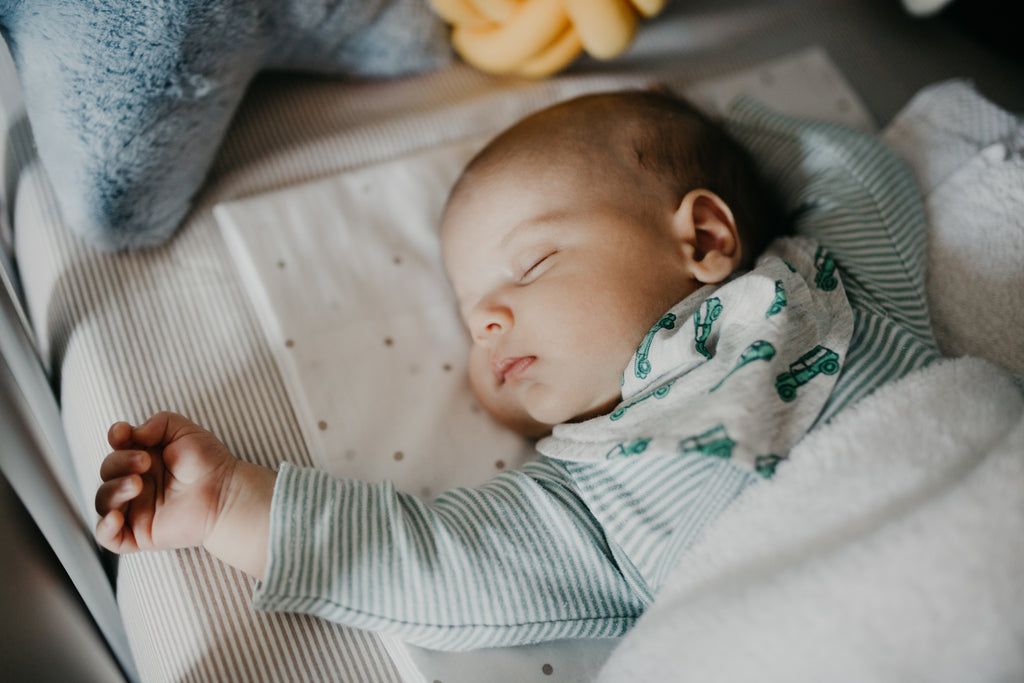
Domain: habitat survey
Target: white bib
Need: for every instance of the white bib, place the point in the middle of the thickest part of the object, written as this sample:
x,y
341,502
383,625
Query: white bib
x,y
739,370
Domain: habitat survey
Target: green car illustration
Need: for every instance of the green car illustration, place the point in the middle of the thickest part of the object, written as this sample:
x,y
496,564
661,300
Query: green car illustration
x,y
779,302
765,465
818,360
634,447
825,266
758,350
660,392
714,442
703,318
643,365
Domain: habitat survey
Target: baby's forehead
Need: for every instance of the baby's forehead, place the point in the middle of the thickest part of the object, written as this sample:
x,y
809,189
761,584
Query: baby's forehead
x,y
529,159
529,165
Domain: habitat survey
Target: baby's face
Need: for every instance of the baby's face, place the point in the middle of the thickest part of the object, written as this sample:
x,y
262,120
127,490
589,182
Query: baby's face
x,y
560,270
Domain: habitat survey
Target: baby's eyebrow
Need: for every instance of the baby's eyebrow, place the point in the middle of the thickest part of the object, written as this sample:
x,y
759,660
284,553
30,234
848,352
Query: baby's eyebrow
x,y
532,224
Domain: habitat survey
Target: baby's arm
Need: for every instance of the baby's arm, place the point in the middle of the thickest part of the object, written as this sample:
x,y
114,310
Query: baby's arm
x,y
517,560
169,483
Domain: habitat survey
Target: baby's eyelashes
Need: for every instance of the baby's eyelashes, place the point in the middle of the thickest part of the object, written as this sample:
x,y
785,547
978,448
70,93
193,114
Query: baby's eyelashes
x,y
536,267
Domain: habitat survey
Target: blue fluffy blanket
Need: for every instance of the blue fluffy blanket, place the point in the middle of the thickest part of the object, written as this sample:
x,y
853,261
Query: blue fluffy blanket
x,y
128,100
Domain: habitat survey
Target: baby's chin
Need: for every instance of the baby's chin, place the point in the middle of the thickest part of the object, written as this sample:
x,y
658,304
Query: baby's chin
x,y
519,420
512,415
525,425
534,413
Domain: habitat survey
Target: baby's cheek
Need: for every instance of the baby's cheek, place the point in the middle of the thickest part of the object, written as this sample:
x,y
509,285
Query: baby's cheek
x,y
479,369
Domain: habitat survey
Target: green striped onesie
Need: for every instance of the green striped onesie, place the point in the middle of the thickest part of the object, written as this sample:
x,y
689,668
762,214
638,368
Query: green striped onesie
x,y
562,549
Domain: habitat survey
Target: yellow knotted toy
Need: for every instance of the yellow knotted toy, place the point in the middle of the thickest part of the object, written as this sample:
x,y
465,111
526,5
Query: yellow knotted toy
x,y
538,37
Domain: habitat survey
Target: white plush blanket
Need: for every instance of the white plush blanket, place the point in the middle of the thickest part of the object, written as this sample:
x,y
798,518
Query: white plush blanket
x,y
891,546
968,155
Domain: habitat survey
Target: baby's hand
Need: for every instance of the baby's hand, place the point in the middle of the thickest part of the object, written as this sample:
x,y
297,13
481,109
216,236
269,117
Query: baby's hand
x,y
164,486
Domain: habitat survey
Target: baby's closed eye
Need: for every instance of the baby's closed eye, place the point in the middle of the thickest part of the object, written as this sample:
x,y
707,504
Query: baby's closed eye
x,y
536,266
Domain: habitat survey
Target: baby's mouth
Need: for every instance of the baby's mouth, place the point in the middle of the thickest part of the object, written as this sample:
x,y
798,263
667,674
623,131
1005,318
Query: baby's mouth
x,y
510,368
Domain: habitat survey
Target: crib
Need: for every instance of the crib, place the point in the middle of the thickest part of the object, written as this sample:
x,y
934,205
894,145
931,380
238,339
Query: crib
x,y
223,324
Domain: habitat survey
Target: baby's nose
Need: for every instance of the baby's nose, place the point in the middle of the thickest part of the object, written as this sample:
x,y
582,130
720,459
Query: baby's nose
x,y
491,322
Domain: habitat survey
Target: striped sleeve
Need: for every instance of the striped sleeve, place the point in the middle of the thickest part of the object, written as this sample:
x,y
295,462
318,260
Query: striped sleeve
x,y
654,509
848,191
518,560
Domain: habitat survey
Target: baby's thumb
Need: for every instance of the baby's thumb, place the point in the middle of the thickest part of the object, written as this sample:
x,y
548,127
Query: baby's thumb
x,y
119,436
160,429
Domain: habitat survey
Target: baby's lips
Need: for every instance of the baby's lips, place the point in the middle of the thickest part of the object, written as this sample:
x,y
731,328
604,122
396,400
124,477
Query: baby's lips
x,y
511,367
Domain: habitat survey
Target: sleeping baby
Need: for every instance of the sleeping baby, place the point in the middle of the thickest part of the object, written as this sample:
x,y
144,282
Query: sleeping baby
x,y
634,303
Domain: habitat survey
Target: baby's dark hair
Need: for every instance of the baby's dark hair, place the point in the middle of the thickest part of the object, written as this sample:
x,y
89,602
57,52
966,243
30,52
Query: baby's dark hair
x,y
675,141
661,134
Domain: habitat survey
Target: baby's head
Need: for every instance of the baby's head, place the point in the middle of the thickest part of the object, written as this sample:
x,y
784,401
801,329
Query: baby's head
x,y
572,232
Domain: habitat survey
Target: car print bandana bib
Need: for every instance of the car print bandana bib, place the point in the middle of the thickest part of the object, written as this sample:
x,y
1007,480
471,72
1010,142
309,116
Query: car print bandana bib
x,y
739,371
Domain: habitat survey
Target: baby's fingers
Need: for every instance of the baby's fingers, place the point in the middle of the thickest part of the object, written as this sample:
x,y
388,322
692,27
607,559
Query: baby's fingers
x,y
162,429
119,436
113,534
122,463
116,493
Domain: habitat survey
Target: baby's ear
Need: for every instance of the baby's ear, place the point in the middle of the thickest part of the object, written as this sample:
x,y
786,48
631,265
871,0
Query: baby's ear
x,y
708,236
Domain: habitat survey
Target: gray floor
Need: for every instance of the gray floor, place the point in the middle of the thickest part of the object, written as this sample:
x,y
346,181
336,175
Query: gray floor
x,y
886,54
